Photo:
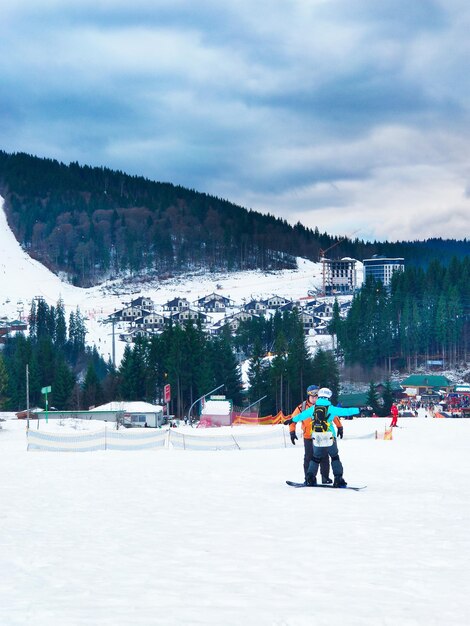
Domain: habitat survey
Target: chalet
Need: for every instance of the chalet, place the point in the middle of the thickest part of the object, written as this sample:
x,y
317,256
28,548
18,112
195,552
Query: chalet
x,y
129,313
309,303
227,302
6,327
307,320
234,321
151,321
325,309
417,385
288,306
136,333
184,315
213,306
255,306
143,303
18,325
275,302
177,304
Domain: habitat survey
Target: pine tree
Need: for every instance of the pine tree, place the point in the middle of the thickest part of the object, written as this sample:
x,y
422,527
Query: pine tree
x,y
227,370
62,385
61,326
92,392
373,398
3,383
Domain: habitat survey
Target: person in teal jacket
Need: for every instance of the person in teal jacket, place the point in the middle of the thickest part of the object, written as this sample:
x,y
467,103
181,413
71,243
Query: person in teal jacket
x,y
324,435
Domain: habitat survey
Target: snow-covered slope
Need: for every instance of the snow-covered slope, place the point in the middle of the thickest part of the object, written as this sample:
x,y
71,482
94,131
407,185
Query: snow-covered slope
x,y
22,279
174,537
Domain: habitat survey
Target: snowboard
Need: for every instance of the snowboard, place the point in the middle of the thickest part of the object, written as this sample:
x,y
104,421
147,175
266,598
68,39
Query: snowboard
x,y
299,485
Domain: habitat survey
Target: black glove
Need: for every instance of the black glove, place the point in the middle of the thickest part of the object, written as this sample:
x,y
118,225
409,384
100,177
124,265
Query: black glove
x,y
287,422
293,437
340,432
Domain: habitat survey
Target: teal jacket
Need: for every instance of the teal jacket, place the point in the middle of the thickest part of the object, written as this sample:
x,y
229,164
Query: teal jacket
x,y
333,411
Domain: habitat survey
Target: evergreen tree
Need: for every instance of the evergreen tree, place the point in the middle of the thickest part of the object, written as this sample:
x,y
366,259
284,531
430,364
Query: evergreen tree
x,y
92,392
299,365
373,398
227,370
256,374
387,397
62,385
61,326
3,383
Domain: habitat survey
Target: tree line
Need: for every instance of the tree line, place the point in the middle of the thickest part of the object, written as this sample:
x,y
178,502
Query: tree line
x,y
93,222
423,317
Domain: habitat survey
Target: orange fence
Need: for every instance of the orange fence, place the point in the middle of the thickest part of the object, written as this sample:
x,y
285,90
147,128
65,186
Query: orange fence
x,y
269,420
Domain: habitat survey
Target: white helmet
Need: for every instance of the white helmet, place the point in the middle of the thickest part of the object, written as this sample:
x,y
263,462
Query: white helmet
x,y
324,392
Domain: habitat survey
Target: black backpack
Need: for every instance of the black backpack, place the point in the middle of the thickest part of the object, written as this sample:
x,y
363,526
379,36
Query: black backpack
x,y
320,419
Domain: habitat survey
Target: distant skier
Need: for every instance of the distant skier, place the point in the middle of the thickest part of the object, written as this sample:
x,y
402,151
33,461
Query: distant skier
x,y
312,392
394,413
324,435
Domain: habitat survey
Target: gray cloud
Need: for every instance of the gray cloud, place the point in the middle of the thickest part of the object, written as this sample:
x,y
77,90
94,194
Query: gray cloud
x,y
333,113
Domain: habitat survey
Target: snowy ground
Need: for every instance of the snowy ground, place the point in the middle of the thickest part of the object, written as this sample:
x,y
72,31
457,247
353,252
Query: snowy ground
x,y
178,537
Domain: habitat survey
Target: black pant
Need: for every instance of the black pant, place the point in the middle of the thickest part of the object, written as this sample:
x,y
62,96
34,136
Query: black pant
x,y
308,456
320,454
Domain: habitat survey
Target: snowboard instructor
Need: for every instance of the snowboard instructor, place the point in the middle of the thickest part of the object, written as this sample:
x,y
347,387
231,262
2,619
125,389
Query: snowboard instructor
x,y
322,416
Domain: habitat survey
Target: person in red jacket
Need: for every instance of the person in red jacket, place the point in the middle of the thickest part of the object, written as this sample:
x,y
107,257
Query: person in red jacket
x,y
312,393
394,412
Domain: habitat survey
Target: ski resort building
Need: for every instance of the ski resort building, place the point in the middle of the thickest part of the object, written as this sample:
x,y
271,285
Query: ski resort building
x,y
340,276
381,268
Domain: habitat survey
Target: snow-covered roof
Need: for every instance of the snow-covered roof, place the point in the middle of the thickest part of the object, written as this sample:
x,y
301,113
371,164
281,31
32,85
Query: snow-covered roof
x,y
129,407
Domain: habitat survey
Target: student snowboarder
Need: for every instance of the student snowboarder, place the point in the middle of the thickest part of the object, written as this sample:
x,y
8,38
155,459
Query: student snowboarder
x,y
322,415
312,393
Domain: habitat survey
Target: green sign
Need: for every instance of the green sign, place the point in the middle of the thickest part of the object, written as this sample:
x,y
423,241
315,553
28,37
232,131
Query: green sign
x,y
45,390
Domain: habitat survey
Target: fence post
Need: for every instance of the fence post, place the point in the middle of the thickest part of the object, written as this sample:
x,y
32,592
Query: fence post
x,y
105,438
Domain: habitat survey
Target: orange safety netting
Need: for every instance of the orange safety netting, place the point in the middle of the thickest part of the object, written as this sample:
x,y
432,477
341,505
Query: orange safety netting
x,y
268,420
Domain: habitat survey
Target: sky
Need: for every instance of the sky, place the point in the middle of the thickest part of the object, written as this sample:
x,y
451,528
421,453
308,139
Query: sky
x,y
169,537
353,117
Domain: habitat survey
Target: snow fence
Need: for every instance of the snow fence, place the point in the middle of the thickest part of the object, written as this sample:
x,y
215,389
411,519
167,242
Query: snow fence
x,y
138,439
145,439
260,440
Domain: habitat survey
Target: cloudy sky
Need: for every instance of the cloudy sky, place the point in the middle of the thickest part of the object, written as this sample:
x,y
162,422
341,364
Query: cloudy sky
x,y
349,115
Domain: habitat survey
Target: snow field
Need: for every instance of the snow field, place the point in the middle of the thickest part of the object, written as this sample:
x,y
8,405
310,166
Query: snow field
x,y
183,537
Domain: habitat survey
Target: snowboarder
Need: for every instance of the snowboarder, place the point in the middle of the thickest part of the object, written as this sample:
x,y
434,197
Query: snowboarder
x,y
322,415
312,392
394,412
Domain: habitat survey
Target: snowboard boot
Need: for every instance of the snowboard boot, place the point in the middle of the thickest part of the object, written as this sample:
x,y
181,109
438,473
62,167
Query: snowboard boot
x,y
310,480
339,482
326,480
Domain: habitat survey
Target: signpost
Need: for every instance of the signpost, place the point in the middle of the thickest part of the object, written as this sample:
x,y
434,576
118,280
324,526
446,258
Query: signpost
x,y
45,391
167,397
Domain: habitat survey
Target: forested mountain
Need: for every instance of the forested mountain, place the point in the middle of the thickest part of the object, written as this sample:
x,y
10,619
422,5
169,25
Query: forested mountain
x,y
93,222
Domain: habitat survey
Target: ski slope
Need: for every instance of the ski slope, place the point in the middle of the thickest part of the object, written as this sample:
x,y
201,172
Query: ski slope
x,y
178,537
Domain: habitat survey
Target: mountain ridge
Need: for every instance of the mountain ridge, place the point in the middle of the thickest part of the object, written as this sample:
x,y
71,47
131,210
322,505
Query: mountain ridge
x,y
94,223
